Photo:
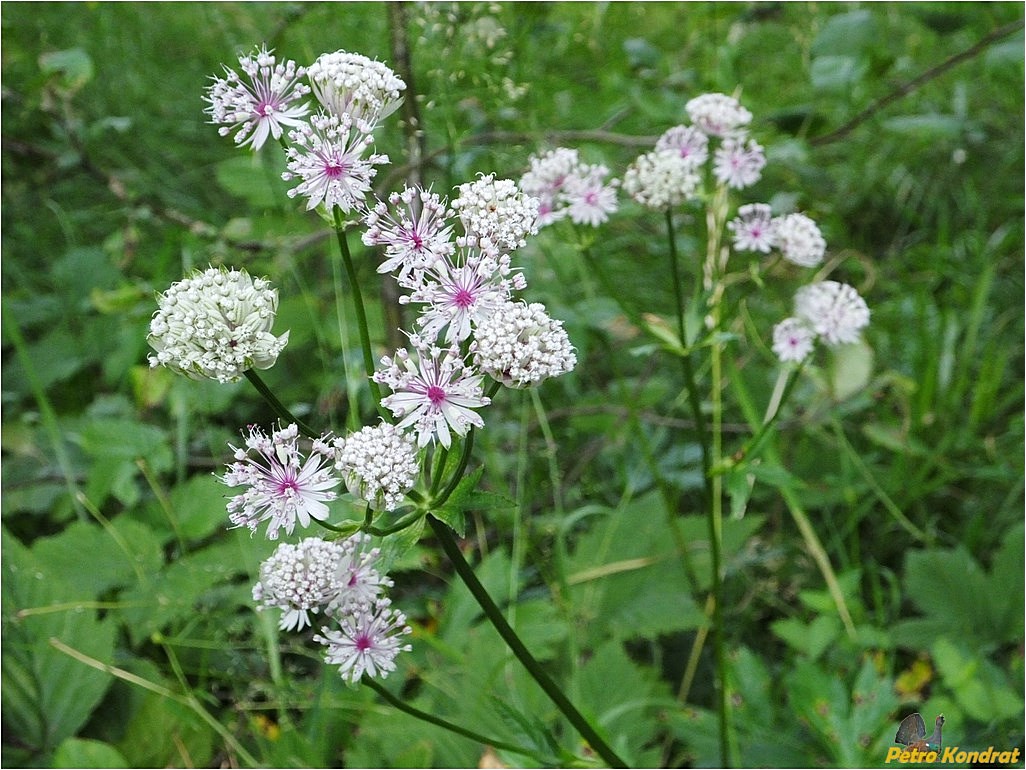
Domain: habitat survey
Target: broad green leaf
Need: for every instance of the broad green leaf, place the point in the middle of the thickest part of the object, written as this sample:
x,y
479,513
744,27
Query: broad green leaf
x,y
248,177
198,506
837,73
165,733
980,688
926,127
73,65
852,33
177,592
47,694
82,752
96,559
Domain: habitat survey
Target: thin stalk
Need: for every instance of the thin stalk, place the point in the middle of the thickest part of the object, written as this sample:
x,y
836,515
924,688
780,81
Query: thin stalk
x,y
361,314
277,406
711,447
451,727
484,600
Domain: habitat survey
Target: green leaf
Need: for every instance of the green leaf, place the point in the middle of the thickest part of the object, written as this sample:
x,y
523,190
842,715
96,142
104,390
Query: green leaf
x,y
980,688
852,34
837,73
813,638
177,592
48,695
95,559
82,752
198,505
74,67
246,177
850,369
164,733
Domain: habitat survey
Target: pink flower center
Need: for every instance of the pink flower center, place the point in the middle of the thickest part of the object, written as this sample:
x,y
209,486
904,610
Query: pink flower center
x,y
334,169
436,395
591,198
463,298
364,642
287,485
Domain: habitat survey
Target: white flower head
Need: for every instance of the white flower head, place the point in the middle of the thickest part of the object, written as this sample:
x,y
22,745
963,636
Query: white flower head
x,y
216,324
753,228
260,104
835,311
738,163
378,464
799,240
351,84
496,216
661,179
299,580
718,114
520,345
283,487
564,186
367,641
793,340
689,142
327,155
415,236
436,394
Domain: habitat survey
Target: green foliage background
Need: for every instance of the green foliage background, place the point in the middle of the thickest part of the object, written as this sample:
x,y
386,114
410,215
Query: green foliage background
x,y
129,637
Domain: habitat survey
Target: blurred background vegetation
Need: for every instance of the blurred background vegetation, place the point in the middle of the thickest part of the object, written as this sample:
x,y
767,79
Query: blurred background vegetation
x,y
897,126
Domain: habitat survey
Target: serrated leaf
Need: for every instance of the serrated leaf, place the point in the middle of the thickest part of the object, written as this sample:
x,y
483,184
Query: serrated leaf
x,y
48,695
980,688
813,638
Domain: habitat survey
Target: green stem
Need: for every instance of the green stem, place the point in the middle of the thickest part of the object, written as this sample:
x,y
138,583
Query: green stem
x,y
466,573
278,407
710,446
361,314
453,728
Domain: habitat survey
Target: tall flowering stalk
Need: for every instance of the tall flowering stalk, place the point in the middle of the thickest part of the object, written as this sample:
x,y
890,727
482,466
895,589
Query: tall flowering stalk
x,y
454,261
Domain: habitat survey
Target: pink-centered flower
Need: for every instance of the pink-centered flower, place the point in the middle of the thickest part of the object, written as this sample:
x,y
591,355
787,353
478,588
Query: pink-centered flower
x,y
687,141
753,228
327,155
738,163
260,104
367,641
413,229
436,395
283,487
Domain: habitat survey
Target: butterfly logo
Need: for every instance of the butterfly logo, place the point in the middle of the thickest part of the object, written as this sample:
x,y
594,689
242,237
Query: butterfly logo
x,y
912,733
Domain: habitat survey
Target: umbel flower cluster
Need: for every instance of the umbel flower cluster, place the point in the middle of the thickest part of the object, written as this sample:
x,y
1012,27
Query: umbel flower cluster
x,y
677,170
453,261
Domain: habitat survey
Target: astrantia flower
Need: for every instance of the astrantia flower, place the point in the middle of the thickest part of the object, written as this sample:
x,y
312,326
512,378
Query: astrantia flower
x,y
415,236
661,179
496,216
799,240
717,114
437,394
565,186
688,141
216,324
283,487
589,199
545,179
299,579
262,103
738,163
327,155
753,228
459,293
520,345
378,464
358,583
348,83
835,311
367,641
793,340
